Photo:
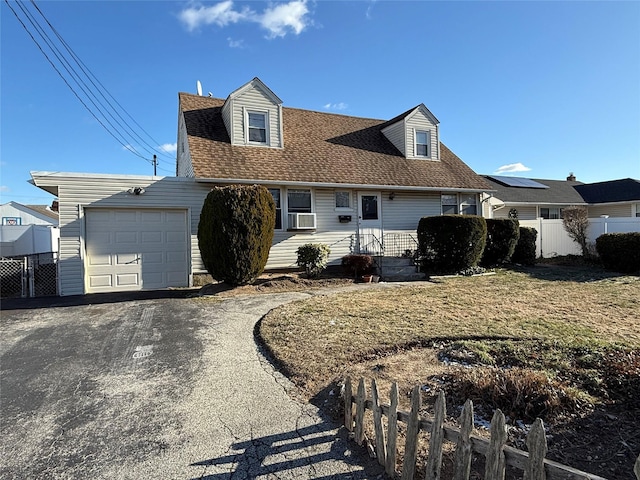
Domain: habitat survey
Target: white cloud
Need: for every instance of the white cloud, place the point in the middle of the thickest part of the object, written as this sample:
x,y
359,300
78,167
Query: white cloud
x,y
278,20
235,43
336,106
4,188
220,14
511,168
287,16
370,9
169,147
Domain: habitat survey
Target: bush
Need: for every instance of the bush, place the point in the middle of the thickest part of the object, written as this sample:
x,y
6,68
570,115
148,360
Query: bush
x,y
502,238
235,232
525,251
358,264
451,243
313,257
620,252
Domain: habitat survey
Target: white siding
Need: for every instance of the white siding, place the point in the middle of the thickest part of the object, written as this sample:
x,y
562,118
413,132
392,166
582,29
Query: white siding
x,y
614,210
407,208
226,116
395,134
255,99
418,121
27,216
524,212
79,191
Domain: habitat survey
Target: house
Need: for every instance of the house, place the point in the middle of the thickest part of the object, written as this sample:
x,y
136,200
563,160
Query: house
x,y
528,199
356,184
28,229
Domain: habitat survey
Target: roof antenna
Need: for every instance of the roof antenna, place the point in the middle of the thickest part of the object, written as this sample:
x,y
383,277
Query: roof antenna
x,y
199,88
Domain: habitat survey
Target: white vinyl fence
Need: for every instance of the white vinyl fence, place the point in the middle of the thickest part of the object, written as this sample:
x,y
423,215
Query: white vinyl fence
x,y
553,240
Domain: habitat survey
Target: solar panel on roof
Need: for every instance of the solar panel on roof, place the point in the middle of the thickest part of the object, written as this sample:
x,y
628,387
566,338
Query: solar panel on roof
x,y
517,182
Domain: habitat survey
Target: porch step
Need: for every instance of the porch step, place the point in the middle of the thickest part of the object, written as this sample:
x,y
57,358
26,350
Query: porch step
x,y
398,269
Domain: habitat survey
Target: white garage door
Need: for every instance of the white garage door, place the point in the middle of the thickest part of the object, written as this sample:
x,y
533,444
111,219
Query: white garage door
x,y
136,249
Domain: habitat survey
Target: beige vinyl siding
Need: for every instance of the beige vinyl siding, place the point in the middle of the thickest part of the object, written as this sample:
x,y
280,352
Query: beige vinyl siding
x,y
419,121
395,134
613,210
525,212
185,166
256,100
226,116
329,231
95,191
407,208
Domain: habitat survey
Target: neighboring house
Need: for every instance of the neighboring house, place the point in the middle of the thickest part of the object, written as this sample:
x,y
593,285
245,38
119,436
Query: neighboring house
x,y
352,183
615,198
28,229
13,213
529,199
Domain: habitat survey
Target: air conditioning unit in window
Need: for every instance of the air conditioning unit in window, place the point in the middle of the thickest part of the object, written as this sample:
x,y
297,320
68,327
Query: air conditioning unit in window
x,y
302,221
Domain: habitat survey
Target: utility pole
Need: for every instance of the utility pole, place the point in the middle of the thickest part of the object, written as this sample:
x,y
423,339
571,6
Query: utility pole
x,y
155,164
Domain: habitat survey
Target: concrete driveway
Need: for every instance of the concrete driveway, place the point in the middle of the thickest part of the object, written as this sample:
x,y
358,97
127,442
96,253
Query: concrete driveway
x,y
145,386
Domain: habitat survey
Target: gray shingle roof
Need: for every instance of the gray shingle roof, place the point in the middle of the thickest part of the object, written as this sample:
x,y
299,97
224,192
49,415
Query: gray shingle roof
x,y
559,192
322,148
624,190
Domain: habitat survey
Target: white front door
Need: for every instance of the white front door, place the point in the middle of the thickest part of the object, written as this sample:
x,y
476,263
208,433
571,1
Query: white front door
x,y
370,223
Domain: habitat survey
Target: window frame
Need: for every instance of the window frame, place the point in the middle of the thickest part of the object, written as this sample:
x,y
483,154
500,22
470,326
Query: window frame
x,y
463,203
427,145
552,210
289,190
279,190
456,204
265,115
348,208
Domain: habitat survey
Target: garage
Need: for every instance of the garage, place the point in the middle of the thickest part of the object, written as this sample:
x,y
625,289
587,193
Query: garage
x,y
136,249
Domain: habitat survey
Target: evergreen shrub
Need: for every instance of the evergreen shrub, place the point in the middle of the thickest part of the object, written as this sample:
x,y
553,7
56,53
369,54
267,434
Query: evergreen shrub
x,y
620,252
502,238
525,251
313,257
236,231
451,243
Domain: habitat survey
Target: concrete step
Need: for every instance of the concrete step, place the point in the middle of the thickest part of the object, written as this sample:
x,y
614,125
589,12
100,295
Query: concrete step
x,y
394,261
415,276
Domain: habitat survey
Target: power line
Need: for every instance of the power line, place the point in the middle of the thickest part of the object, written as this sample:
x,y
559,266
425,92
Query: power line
x,y
122,134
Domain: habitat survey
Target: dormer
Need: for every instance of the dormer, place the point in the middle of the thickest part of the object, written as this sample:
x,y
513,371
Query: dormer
x,y
252,115
415,133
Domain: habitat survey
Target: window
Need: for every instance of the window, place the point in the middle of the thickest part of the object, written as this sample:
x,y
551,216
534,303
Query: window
x,y
422,143
468,205
638,210
449,203
369,207
275,193
299,201
343,199
551,213
257,127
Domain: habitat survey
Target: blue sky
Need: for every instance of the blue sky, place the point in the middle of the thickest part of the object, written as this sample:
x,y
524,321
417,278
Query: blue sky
x,y
536,89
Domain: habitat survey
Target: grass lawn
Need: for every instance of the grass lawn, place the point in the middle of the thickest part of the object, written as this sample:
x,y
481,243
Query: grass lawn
x,y
567,338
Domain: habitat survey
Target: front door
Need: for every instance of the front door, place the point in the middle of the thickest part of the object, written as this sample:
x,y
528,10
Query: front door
x,y
369,223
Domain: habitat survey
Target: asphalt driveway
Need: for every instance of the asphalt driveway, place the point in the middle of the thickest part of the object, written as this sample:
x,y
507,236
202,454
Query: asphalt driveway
x,y
147,386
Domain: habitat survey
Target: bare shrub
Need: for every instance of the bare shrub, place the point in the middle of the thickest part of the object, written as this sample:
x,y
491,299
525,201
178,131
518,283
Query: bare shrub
x,y
576,223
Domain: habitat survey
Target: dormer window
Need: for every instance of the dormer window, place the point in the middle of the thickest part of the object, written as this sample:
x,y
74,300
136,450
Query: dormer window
x,y
422,143
257,131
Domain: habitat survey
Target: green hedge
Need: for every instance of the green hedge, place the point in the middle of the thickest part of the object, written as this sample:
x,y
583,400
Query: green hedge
x,y
451,243
620,252
235,232
502,238
525,251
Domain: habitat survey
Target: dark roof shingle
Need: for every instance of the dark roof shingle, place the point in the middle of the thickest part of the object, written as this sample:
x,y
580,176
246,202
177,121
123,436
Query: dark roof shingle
x,y
623,190
559,192
319,148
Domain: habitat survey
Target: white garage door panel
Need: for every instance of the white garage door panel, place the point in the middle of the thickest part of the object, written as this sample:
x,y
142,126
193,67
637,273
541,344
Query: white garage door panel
x,y
136,249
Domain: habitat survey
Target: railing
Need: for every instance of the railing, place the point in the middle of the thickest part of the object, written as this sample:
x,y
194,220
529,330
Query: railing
x,y
391,245
496,453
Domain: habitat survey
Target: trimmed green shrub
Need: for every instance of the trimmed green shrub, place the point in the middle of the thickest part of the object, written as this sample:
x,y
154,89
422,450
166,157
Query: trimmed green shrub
x,y
451,243
502,238
235,232
358,264
525,251
313,257
620,252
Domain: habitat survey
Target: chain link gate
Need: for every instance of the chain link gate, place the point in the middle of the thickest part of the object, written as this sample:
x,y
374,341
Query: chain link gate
x,y
29,276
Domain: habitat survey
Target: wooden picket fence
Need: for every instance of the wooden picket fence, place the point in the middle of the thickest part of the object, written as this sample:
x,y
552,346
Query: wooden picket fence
x,y
497,454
